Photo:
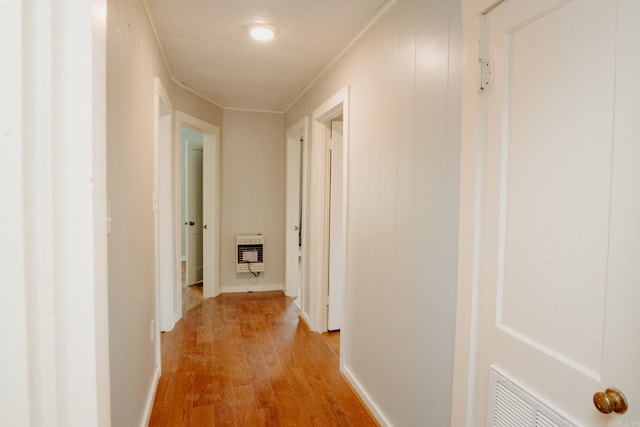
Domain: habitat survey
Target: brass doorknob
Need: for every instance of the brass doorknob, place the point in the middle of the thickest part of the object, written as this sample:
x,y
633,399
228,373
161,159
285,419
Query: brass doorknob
x,y
611,400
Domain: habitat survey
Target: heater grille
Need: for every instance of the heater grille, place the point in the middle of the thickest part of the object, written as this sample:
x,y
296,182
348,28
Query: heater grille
x,y
249,253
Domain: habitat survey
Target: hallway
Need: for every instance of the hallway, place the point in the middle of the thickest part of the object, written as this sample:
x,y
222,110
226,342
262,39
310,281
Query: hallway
x,y
91,185
245,360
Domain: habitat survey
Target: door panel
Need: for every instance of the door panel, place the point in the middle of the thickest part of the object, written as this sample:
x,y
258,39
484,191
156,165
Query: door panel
x,y
194,214
210,219
555,152
294,216
555,245
336,230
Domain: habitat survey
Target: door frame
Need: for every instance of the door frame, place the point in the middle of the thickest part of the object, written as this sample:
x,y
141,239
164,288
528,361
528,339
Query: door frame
x,y
469,228
319,212
296,140
211,207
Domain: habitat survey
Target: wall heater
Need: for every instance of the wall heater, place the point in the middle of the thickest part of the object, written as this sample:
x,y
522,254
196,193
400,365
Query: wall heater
x,y
249,253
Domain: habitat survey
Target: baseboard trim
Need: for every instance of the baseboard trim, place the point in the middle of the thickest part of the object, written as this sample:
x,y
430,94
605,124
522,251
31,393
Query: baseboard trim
x,y
151,397
374,410
305,319
251,288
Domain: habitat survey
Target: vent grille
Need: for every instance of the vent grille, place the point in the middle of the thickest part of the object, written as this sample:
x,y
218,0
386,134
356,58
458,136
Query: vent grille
x,y
249,253
543,421
511,411
511,406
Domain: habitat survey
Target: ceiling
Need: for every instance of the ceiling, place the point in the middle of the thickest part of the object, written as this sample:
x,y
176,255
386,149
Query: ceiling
x,y
208,48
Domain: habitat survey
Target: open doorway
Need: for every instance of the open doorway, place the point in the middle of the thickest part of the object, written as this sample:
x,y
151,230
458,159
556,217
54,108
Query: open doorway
x,y
202,268
167,205
328,213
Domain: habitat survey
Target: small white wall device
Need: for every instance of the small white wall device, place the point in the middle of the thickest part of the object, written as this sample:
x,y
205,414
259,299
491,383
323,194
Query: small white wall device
x,y
249,253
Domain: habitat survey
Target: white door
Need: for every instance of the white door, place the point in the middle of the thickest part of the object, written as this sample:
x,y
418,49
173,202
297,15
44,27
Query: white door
x,y
559,255
336,230
294,217
209,190
194,214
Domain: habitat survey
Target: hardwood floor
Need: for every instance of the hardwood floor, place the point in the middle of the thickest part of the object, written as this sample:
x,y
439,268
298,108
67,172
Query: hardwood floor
x,y
333,341
191,297
192,294
246,360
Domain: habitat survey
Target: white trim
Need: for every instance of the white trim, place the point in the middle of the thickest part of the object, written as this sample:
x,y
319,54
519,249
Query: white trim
x,y
211,134
365,397
318,252
195,92
155,35
196,123
379,13
251,288
151,397
166,62
305,318
253,110
469,233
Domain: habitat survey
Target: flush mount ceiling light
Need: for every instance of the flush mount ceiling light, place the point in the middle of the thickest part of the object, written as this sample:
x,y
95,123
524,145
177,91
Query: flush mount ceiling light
x,y
262,32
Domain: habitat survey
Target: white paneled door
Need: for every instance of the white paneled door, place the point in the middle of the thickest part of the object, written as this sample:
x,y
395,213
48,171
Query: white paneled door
x,y
336,229
209,214
194,213
559,252
293,235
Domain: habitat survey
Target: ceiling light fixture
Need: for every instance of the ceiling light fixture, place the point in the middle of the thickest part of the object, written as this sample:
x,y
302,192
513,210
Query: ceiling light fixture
x,y
262,32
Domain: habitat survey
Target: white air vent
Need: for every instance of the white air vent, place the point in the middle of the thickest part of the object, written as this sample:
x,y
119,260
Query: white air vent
x,y
249,253
511,406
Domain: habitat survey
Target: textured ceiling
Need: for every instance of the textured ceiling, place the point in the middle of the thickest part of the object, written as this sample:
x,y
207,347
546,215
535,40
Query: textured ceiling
x,y
208,48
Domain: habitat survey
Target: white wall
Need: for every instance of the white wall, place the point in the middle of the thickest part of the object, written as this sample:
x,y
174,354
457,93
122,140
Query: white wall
x,y
253,184
402,217
133,60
